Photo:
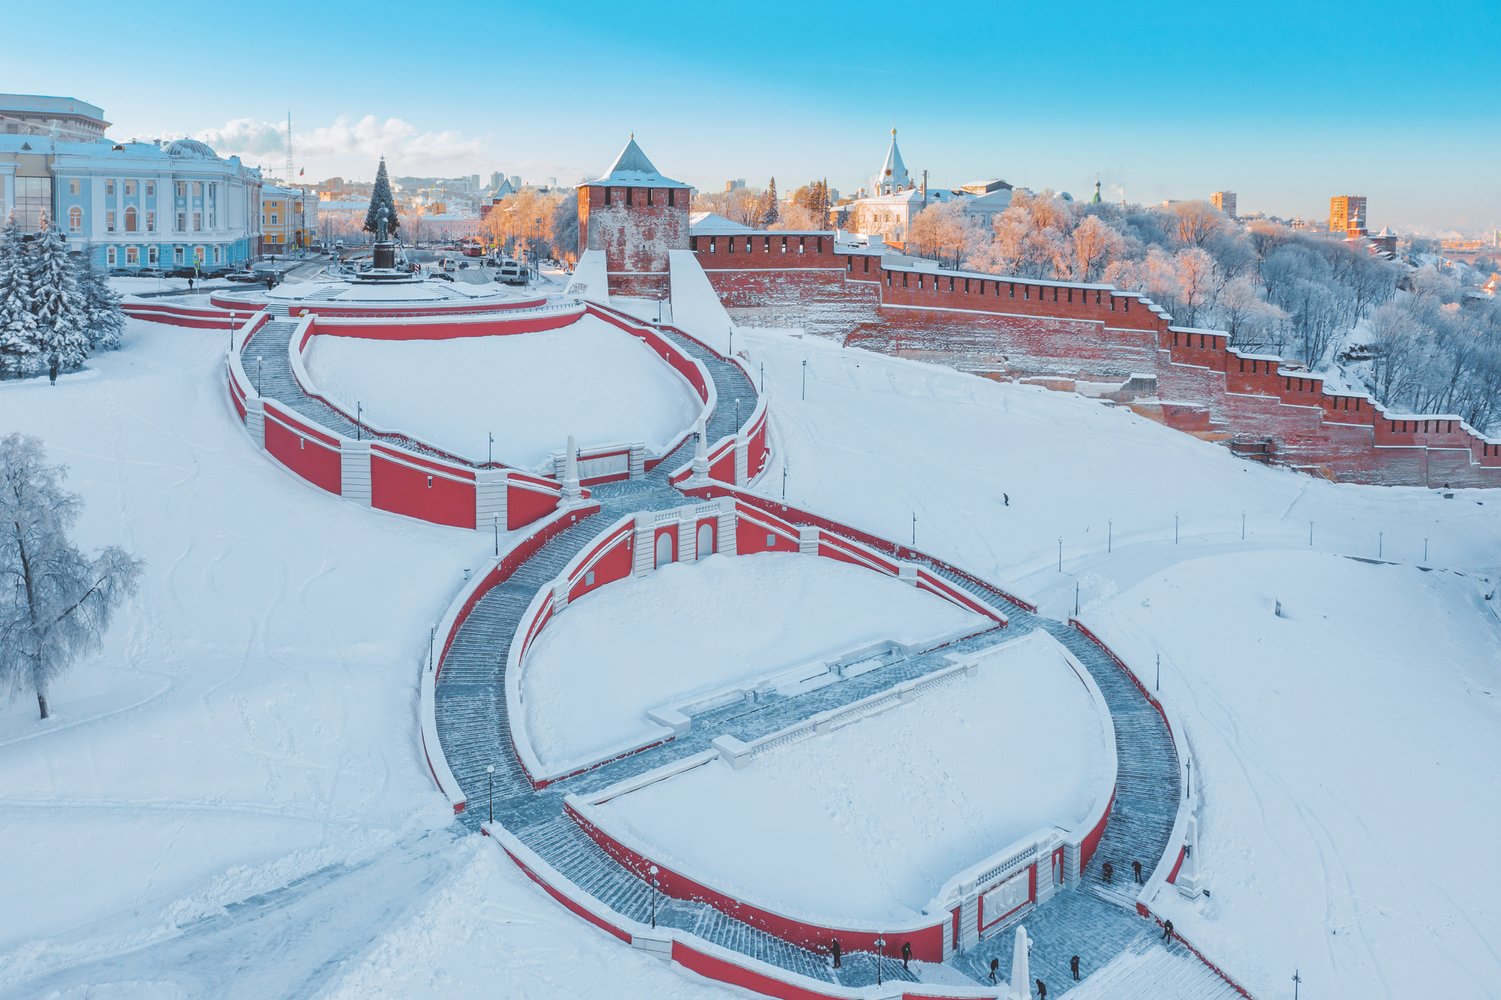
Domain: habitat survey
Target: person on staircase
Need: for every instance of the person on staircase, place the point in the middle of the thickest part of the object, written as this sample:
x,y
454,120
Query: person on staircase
x,y
1073,966
834,950
1042,990
1136,870
906,954
1167,930
1107,872
995,965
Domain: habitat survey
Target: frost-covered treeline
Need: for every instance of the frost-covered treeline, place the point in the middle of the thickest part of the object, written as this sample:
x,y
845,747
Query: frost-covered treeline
x,y
1433,348
1304,296
806,208
55,307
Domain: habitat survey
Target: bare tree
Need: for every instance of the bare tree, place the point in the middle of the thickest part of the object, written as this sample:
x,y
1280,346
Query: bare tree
x,y
55,602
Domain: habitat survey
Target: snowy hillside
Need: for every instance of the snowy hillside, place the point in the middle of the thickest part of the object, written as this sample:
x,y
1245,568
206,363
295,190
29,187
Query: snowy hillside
x,y
1348,758
231,799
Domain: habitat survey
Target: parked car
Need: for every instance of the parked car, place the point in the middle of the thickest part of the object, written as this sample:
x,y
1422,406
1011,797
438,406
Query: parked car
x,y
463,265
440,276
152,272
243,276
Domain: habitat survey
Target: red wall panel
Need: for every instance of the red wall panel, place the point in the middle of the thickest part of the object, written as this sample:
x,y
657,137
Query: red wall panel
x,y
402,489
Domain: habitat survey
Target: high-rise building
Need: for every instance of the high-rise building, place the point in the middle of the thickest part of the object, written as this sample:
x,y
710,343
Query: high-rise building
x,y
1224,201
1345,209
734,185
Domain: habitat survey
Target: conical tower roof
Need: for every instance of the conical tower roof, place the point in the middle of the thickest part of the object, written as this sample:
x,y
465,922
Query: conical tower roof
x,y
893,175
633,169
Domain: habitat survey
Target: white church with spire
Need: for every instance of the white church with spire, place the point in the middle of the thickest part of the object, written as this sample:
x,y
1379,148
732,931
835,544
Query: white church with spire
x,y
886,208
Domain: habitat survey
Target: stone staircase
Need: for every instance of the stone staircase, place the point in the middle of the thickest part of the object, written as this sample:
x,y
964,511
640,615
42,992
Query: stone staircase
x,y
1151,970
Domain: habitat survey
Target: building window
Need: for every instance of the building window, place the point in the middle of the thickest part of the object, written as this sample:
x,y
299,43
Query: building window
x,y
197,189
607,196
150,222
182,221
177,255
672,197
109,222
629,201
274,221
130,187
151,189
218,254
109,187
197,222
152,256
131,219
75,219
198,255
74,186
182,189
132,256
109,256
33,202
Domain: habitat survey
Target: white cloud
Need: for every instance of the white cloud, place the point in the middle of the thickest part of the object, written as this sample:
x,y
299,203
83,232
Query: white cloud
x,y
352,146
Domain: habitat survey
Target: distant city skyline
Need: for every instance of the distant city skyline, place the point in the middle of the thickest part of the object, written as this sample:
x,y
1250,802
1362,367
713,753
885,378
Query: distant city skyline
x,y
1156,104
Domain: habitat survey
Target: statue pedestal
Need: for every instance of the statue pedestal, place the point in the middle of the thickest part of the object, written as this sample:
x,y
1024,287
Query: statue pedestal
x,y
385,256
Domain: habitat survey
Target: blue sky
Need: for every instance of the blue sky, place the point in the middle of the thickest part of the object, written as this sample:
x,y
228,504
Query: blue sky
x,y
1284,103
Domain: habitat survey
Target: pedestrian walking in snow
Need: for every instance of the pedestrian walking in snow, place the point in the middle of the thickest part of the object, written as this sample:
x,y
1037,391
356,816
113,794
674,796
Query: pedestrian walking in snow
x,y
906,954
1167,930
1136,870
52,370
1107,872
995,965
1042,990
190,282
1073,966
1006,499
834,949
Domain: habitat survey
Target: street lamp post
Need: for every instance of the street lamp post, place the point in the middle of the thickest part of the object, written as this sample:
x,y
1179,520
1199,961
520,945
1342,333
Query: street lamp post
x,y
359,419
880,943
490,449
805,378
656,887
490,773
258,380
496,519
1297,981
784,479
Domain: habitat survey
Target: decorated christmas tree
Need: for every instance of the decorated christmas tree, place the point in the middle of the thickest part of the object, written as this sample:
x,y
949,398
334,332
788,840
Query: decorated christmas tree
x,y
380,198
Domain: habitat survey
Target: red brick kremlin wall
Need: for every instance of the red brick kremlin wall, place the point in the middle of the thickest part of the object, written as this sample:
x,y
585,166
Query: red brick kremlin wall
x,y
1018,328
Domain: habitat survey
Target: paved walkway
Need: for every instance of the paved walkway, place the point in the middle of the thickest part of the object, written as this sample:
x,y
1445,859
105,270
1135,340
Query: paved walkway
x,y
474,730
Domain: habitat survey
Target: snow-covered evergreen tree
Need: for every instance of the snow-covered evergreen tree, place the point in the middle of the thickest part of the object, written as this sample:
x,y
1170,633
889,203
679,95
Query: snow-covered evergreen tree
x,y
62,325
104,320
20,350
769,206
380,198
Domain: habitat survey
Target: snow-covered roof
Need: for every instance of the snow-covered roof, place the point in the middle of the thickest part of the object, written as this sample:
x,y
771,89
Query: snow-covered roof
x,y
633,169
712,223
893,171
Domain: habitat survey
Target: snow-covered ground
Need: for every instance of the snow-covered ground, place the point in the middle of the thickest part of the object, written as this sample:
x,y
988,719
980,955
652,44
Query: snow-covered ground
x,y
690,629
865,824
1348,759
230,799
879,439
531,390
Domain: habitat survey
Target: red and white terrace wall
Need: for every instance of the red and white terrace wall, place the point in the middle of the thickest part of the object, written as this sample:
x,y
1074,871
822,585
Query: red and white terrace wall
x,y
994,889
638,544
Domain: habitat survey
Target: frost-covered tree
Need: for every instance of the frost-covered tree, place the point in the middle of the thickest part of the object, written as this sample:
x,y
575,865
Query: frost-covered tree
x,y
62,323
380,198
20,352
55,601
103,318
770,206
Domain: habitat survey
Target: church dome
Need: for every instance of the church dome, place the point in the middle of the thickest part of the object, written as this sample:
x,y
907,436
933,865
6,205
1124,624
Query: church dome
x,y
191,149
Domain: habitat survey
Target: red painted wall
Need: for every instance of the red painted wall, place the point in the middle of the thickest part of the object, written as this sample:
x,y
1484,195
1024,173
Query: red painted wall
x,y
311,454
609,561
399,487
528,499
